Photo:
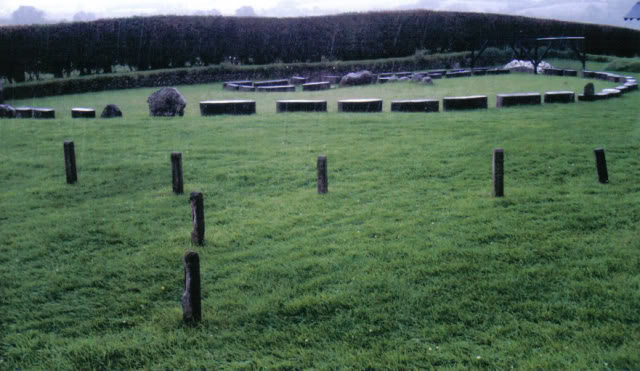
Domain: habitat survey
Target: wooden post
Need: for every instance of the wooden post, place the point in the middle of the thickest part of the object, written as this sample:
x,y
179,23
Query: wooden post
x,y
70,162
176,173
197,214
323,179
601,166
191,299
498,172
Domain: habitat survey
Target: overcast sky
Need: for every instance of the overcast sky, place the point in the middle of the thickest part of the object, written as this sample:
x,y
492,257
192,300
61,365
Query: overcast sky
x,y
594,11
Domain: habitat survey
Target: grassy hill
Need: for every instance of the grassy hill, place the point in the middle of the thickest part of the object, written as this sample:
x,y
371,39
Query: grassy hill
x,y
407,262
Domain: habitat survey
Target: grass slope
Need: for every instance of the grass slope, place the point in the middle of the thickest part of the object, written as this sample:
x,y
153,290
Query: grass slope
x,y
408,262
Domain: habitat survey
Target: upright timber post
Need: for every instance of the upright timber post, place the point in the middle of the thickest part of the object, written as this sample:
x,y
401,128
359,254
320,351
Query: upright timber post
x,y
191,298
176,173
70,162
498,172
323,179
197,214
601,166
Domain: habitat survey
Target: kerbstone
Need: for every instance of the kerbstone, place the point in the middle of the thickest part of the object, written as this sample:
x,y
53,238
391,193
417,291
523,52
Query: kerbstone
x,y
518,99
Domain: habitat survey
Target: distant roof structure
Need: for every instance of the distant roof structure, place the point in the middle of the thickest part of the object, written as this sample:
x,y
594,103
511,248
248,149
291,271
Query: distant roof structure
x,y
562,38
634,13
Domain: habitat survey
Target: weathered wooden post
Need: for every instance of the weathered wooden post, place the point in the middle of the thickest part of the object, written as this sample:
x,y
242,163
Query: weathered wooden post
x,y
498,172
176,173
197,213
601,165
323,179
191,299
70,162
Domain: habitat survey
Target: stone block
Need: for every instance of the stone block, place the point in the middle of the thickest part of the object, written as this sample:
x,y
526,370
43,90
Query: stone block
x,y
276,89
415,105
301,106
44,113
465,103
559,97
227,107
360,105
280,82
518,99
87,113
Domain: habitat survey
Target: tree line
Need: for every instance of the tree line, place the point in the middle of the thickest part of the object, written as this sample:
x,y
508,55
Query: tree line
x,y
145,43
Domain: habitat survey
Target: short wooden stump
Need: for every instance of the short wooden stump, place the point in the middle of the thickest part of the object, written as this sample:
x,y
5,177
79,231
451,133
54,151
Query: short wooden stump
x,y
227,107
301,106
384,80
246,88
614,93
553,72
316,86
499,71
588,98
333,79
455,74
86,113
44,113
614,78
631,85
231,87
559,97
240,82
479,71
465,103
7,111
398,74
281,82
518,99
276,88
297,80
360,105
24,112
415,105
623,89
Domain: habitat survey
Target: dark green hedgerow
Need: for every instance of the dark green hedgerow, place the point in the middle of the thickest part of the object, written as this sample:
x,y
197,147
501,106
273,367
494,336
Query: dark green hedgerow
x,y
146,43
624,65
227,72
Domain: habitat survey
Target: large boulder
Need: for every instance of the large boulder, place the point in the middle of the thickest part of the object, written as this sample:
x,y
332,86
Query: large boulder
x,y
427,80
7,112
417,77
358,78
111,111
167,102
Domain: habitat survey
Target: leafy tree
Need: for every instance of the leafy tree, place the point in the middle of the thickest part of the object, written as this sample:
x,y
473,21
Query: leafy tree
x,y
27,15
245,11
84,17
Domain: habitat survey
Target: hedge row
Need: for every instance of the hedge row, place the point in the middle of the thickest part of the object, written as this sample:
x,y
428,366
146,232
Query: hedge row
x,y
145,43
228,72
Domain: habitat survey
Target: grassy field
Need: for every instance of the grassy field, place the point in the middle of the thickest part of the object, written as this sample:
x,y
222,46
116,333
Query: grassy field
x,y
408,262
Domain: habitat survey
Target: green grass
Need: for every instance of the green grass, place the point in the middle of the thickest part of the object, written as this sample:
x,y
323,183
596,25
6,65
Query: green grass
x,y
408,262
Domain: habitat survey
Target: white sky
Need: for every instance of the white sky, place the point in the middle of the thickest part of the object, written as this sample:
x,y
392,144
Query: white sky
x,y
594,11
112,7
